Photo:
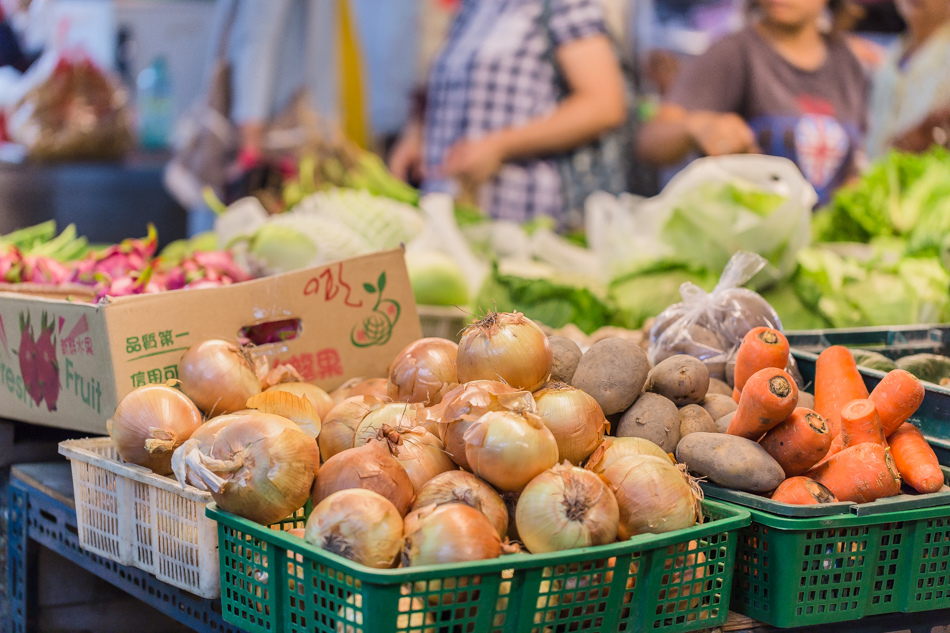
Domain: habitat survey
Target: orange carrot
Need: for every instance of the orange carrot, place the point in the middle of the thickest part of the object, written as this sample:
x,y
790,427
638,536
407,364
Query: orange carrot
x,y
799,442
769,397
802,491
761,347
860,473
860,423
897,397
735,394
835,448
915,460
837,382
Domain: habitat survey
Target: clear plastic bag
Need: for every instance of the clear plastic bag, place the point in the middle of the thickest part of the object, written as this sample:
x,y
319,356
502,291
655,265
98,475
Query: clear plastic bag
x,y
75,111
711,325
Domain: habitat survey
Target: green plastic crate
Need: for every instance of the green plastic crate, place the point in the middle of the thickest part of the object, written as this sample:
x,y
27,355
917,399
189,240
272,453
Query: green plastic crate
x,y
272,581
794,572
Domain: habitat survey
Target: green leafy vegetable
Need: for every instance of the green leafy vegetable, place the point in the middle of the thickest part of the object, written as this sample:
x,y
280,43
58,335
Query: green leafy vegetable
x,y
930,367
873,360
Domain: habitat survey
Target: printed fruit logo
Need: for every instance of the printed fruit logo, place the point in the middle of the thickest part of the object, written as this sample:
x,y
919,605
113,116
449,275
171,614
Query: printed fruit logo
x,y
38,364
377,328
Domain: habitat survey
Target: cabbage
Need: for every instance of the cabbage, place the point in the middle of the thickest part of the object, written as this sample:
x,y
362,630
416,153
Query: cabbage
x,y
436,279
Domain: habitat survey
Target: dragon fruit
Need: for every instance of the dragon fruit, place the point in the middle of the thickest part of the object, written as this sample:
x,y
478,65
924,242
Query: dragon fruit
x,y
11,265
47,367
28,360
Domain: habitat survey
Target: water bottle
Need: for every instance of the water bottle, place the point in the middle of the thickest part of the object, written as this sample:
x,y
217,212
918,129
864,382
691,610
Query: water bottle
x,y
154,96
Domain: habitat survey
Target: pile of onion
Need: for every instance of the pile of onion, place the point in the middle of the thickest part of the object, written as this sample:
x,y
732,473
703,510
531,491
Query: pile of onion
x,y
297,409
319,398
258,465
339,426
614,448
508,449
566,507
653,495
424,371
507,347
575,419
420,453
459,486
218,376
450,533
464,405
397,415
371,467
150,423
357,524
199,440
378,387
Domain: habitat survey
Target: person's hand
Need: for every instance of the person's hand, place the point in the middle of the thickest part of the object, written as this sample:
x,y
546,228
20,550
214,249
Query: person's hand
x,y
474,162
718,134
934,130
405,159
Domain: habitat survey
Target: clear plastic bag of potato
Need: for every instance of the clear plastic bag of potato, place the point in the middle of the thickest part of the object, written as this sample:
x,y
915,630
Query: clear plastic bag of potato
x,y
711,325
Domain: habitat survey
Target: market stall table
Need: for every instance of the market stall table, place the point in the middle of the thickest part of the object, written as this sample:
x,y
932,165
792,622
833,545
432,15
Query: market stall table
x,y
42,514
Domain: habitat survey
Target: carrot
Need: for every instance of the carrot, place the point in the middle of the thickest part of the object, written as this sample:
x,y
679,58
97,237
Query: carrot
x,y
861,473
837,382
802,491
897,397
735,394
860,423
761,347
769,397
799,442
915,460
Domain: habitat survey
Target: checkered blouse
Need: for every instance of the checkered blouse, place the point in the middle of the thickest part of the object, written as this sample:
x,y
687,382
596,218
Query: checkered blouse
x,y
494,72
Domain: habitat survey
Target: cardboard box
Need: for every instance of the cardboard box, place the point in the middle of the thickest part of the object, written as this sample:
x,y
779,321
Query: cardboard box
x,y
354,316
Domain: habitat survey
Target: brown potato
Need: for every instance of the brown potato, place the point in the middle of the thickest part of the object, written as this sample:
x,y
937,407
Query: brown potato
x,y
683,379
719,386
723,423
566,354
730,461
613,372
653,418
718,405
695,419
806,400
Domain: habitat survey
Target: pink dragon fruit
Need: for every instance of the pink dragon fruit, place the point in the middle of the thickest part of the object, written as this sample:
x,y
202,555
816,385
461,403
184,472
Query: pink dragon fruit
x,y
47,367
28,360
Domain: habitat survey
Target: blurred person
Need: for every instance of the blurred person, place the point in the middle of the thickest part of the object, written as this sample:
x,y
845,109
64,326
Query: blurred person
x,y
910,101
497,122
782,86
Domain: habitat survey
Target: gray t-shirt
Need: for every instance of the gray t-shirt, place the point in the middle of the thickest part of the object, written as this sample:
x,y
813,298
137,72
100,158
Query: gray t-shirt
x,y
815,118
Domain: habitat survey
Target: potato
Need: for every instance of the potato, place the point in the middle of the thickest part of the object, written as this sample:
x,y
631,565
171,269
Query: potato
x,y
806,400
723,423
730,372
720,387
718,405
683,379
730,461
566,354
613,372
653,418
695,419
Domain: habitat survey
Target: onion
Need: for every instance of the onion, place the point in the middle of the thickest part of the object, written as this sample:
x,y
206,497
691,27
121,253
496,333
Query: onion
x,y
339,427
614,448
419,452
150,423
297,409
259,466
507,347
218,376
424,371
378,387
509,449
201,438
450,533
566,507
459,486
397,415
575,419
653,496
371,467
462,406
319,398
276,375
357,524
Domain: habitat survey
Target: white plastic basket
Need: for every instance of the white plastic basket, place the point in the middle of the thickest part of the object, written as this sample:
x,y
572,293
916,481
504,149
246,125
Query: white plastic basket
x,y
130,515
